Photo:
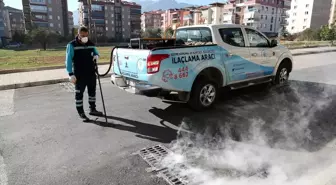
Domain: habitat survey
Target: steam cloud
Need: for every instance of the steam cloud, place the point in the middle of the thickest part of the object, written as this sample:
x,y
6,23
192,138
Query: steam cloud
x,y
281,142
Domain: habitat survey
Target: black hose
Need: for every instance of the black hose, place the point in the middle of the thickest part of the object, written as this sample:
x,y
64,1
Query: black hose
x,y
111,62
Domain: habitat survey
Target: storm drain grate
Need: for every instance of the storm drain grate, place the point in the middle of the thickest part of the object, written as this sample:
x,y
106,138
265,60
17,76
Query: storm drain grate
x,y
153,156
69,87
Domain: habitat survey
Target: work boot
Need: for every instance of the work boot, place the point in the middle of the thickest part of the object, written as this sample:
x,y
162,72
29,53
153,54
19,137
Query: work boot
x,y
84,117
94,112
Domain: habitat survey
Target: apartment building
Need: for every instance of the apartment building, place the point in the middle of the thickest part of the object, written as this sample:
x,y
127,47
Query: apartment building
x,y
308,14
48,14
268,16
71,23
112,19
332,16
14,20
2,22
151,20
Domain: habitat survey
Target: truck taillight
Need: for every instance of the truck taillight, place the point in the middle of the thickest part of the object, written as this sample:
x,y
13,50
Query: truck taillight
x,y
153,62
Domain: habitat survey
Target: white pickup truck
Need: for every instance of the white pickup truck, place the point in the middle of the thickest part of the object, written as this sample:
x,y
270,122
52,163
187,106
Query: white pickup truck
x,y
201,60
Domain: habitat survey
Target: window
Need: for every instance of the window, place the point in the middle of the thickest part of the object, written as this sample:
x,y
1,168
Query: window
x,y
307,5
294,14
58,17
59,25
36,8
51,25
262,8
271,27
306,13
262,17
293,28
265,17
106,21
256,39
304,27
232,36
49,1
106,28
38,1
305,20
295,7
50,9
266,8
95,7
50,16
194,34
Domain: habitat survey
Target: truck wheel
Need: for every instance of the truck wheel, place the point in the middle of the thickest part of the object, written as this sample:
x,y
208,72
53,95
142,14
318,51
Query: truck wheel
x,y
282,75
203,95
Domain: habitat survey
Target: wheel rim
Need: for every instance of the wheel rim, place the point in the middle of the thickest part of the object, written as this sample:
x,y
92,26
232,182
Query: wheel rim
x,y
283,76
207,95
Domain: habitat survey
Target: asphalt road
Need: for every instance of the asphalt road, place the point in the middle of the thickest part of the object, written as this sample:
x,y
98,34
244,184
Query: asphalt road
x,y
42,141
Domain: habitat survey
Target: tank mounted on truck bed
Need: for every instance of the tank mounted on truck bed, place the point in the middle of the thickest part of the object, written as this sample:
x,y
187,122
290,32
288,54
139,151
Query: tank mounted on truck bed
x,y
199,61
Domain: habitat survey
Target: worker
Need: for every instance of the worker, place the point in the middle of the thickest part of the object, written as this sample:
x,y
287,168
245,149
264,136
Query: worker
x,y
80,56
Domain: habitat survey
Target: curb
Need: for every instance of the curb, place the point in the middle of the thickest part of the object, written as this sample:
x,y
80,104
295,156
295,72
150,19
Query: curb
x,y
38,83
313,52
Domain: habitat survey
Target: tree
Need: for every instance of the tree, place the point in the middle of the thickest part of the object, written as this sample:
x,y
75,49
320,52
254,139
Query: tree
x,y
18,36
152,33
168,33
44,37
309,35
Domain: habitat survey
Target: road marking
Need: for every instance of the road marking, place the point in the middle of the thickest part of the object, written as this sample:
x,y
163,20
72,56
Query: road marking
x,y
3,174
7,102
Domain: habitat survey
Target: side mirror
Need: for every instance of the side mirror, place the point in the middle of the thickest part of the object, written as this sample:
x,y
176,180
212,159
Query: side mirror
x,y
274,43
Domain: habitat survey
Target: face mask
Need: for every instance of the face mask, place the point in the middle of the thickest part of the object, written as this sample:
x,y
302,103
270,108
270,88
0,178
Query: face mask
x,y
84,39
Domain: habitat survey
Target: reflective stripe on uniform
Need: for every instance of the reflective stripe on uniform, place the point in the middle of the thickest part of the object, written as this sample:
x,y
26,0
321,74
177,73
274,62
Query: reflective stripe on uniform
x,y
79,105
77,91
92,99
79,101
83,47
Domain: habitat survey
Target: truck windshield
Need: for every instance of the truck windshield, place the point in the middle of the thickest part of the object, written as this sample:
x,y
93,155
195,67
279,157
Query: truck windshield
x,y
194,35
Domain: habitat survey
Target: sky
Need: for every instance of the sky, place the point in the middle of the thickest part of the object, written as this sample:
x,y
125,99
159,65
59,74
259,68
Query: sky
x,y
73,4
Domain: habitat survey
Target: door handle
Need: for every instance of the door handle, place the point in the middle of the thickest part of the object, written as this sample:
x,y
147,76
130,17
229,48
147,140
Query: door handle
x,y
254,54
229,54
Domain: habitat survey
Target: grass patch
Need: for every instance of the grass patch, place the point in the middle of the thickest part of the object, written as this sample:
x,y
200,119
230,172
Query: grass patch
x,y
12,59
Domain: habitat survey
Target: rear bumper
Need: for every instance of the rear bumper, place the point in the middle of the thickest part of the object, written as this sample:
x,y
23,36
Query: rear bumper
x,y
135,87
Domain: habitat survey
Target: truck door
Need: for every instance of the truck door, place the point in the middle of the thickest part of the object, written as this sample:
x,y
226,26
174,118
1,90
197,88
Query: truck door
x,y
236,57
261,52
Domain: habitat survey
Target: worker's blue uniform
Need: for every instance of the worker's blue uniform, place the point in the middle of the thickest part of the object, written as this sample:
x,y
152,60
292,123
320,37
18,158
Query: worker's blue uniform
x,y
79,62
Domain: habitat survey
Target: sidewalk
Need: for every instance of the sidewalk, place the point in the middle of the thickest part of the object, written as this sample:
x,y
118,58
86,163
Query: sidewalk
x,y
45,77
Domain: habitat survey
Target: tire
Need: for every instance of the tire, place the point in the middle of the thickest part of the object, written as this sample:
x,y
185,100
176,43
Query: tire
x,y
282,75
196,102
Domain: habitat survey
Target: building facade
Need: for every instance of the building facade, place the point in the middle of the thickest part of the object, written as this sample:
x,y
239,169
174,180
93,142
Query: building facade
x,y
71,24
308,14
151,20
2,23
47,14
111,19
268,16
14,21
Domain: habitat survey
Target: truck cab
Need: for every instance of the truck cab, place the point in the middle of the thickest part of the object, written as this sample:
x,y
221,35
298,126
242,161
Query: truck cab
x,y
203,59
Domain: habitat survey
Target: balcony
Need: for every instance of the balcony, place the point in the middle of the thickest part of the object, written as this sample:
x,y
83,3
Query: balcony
x,y
287,4
98,21
284,23
229,17
285,15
